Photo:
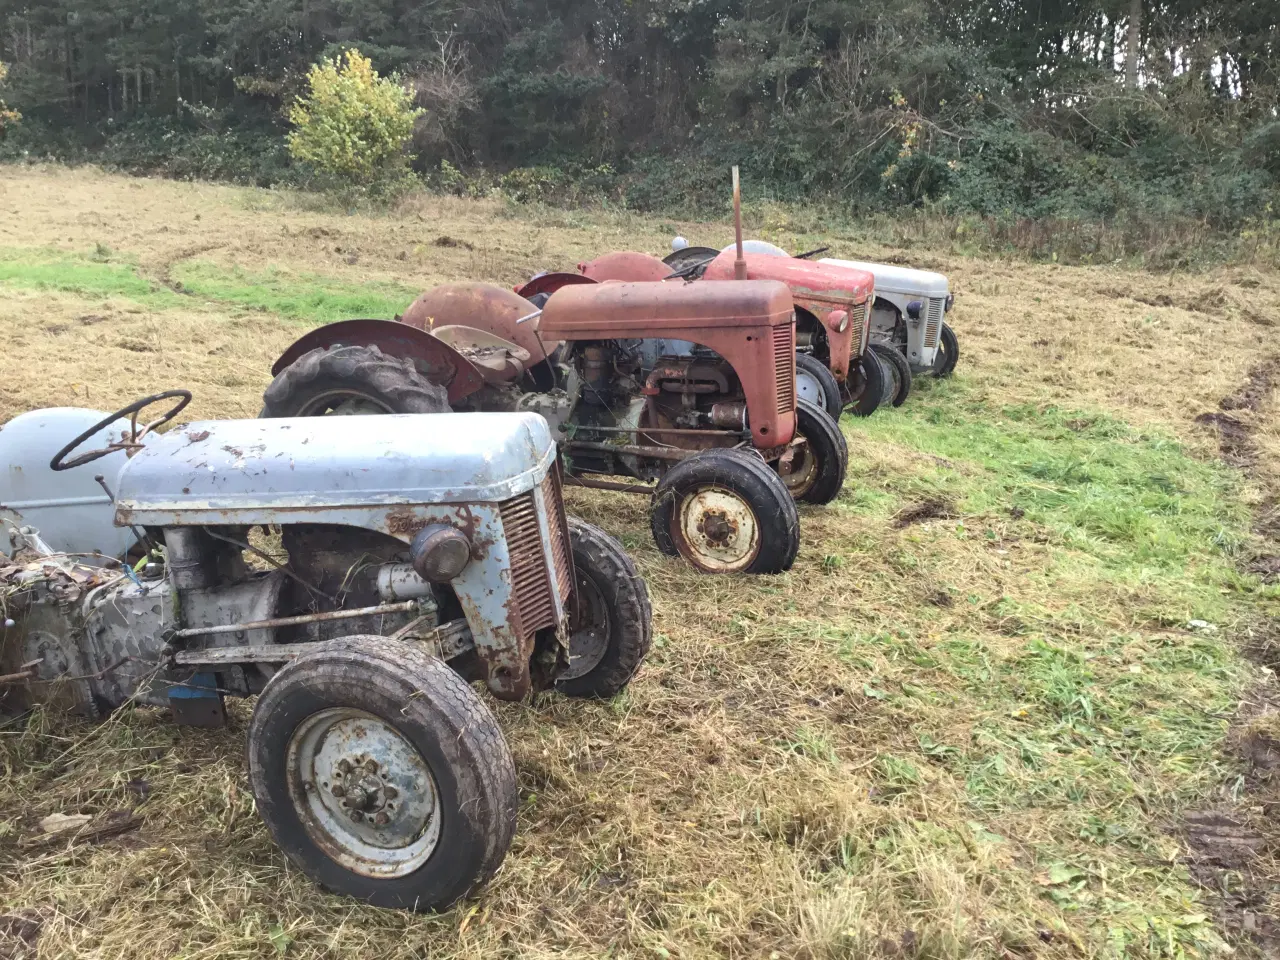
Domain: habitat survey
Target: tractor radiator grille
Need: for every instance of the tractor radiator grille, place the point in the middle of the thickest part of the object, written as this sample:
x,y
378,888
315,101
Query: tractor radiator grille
x,y
932,322
561,554
861,329
534,605
784,365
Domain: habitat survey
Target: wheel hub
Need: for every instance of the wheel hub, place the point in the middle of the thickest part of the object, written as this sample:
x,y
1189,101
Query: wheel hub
x,y
718,529
798,467
363,792
808,388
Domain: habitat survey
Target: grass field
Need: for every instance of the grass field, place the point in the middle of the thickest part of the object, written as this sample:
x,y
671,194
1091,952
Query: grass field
x,y
975,720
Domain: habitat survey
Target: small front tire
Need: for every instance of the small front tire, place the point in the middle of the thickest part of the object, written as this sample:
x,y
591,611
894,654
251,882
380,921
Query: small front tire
x,y
382,775
944,364
899,369
817,469
610,623
726,511
873,376
816,383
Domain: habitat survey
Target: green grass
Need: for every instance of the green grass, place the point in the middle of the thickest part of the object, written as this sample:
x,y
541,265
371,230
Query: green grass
x,y
296,296
102,272
97,274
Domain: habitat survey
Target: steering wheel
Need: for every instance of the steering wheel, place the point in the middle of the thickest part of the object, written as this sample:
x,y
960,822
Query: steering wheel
x,y
134,441
690,271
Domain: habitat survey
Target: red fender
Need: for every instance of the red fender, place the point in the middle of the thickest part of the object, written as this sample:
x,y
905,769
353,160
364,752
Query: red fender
x,y
438,361
550,283
625,265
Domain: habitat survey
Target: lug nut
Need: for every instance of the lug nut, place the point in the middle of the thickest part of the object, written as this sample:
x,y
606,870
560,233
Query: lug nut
x,y
356,815
371,765
344,766
339,790
381,820
390,791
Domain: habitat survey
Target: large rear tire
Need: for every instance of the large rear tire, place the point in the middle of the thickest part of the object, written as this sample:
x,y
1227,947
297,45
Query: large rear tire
x,y
873,376
726,511
610,626
816,472
944,363
899,369
382,775
816,383
351,380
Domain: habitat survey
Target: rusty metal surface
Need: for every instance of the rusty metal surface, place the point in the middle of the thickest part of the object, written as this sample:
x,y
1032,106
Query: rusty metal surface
x,y
625,265
831,293
447,641
484,306
593,484
435,359
323,617
550,283
740,321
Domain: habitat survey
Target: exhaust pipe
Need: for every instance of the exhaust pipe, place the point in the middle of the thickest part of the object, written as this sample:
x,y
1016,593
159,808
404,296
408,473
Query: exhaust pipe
x,y
740,264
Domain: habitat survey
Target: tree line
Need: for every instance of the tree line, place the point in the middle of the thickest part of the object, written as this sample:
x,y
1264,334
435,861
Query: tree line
x,y
1090,108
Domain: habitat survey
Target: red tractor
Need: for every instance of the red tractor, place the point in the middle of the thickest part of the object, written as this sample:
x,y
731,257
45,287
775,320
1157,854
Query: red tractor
x,y
834,367
689,388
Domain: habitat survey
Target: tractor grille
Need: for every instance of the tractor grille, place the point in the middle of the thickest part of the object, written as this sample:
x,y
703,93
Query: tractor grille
x,y
862,330
561,554
784,366
932,322
535,606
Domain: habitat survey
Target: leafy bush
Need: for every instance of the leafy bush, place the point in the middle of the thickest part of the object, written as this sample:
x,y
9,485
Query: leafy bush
x,y
353,125
7,116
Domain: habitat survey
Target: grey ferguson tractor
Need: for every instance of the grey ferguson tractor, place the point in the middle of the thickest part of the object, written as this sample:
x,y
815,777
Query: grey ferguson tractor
x,y
423,552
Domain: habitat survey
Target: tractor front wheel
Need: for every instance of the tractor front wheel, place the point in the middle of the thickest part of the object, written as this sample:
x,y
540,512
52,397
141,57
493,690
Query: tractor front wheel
x,y
726,511
816,383
814,470
872,375
948,352
899,371
382,775
610,618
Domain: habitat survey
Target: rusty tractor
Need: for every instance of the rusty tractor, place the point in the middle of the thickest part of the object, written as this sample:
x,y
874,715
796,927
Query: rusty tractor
x,y
689,388
417,553
834,367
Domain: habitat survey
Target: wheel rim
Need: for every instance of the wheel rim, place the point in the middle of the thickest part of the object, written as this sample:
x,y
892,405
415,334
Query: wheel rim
x,y
589,630
801,471
717,530
363,793
344,403
809,388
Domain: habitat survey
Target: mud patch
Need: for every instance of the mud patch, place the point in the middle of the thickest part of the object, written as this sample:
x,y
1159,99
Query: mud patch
x,y
1257,388
1235,438
447,241
935,508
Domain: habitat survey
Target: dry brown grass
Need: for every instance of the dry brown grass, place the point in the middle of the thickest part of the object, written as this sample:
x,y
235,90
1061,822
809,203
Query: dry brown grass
x,y
793,773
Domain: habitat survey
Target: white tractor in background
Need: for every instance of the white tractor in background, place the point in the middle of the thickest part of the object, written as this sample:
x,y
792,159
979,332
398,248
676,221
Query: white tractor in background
x,y
909,331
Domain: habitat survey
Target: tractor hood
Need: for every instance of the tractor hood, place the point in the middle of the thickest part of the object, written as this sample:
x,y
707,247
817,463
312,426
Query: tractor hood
x,y
221,471
902,280
835,283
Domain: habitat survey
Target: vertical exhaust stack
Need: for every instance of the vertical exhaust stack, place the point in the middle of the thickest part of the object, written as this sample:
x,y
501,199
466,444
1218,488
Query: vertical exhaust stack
x,y
739,264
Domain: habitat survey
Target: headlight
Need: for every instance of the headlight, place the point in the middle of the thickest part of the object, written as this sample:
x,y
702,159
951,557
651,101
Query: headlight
x,y
439,553
844,323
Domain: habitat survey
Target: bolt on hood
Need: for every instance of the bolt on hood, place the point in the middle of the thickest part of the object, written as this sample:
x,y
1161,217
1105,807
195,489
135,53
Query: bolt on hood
x,y
335,462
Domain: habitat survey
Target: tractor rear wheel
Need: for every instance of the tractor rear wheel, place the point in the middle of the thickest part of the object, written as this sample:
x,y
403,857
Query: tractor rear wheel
x,y
948,352
873,376
726,511
347,380
381,774
899,369
610,622
816,383
815,472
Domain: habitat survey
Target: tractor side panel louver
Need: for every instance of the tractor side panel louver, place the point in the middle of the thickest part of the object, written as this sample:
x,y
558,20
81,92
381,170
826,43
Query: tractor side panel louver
x,y
933,322
784,365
